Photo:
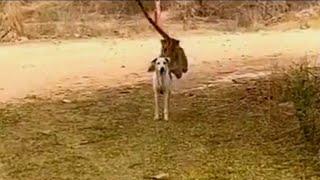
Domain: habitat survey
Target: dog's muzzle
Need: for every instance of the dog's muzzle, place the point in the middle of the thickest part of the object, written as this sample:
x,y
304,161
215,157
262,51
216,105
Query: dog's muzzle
x,y
162,70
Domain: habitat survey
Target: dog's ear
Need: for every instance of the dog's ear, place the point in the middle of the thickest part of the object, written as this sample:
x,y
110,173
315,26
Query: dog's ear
x,y
152,65
167,59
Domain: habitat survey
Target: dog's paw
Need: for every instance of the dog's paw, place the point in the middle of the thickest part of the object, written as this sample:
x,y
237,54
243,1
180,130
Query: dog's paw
x,y
156,118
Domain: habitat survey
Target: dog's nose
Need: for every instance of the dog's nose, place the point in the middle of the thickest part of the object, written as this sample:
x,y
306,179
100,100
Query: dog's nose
x,y
162,70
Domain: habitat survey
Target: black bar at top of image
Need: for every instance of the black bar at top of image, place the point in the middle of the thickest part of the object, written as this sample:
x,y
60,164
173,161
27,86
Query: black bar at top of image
x,y
172,0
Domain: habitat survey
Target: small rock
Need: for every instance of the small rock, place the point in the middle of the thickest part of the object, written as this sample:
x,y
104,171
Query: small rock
x,y
211,85
46,132
66,101
161,176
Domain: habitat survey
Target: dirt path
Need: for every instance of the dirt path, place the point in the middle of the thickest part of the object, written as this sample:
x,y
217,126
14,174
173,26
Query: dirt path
x,y
41,68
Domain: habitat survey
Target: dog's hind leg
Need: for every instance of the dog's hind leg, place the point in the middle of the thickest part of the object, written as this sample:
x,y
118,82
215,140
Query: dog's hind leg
x,y
166,105
156,101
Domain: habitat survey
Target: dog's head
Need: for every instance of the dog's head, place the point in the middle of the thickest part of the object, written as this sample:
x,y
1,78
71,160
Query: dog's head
x,y
159,64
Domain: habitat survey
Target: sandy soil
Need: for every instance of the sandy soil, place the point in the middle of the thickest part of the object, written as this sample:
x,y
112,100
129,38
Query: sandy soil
x,y
45,68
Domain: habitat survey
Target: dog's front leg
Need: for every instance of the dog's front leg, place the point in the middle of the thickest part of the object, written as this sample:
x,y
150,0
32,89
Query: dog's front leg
x,y
156,101
166,105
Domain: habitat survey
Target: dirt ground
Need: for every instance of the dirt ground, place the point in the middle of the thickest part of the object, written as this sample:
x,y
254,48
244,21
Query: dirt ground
x,y
43,68
105,129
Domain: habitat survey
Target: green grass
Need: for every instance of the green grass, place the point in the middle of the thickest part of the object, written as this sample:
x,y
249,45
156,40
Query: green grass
x,y
225,132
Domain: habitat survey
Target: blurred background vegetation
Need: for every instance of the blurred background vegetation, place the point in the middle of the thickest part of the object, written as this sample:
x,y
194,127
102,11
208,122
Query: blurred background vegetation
x,y
83,18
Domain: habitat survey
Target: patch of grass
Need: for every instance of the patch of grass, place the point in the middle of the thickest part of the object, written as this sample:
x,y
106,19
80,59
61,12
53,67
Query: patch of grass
x,y
216,133
303,90
299,87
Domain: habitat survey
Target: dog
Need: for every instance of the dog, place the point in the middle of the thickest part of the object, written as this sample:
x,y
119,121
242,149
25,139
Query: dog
x,y
162,80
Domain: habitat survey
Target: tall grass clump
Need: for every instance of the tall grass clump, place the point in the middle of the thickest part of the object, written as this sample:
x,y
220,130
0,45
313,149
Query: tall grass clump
x,y
300,86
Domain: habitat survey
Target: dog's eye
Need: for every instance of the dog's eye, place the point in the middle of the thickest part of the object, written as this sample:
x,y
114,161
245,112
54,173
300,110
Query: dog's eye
x,y
164,63
158,63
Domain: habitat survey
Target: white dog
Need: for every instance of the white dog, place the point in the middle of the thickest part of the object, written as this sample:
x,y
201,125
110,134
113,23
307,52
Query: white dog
x,y
161,84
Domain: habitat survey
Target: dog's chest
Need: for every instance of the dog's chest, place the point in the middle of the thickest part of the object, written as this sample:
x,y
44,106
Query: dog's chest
x,y
161,83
